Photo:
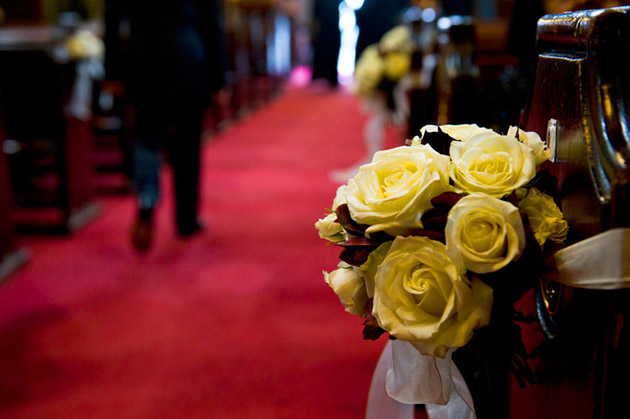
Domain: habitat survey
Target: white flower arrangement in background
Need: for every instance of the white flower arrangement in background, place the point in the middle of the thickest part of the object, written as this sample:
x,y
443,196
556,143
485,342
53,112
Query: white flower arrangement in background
x,y
84,44
381,65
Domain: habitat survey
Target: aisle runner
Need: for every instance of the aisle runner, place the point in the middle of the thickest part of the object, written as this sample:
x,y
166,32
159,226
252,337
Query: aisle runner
x,y
236,323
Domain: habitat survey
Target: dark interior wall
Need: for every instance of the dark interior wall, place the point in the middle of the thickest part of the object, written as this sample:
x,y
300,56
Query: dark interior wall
x,y
47,11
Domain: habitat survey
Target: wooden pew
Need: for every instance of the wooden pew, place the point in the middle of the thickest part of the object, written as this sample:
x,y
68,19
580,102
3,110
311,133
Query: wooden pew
x,y
463,73
423,100
11,256
448,84
254,75
458,77
238,73
51,162
112,133
580,346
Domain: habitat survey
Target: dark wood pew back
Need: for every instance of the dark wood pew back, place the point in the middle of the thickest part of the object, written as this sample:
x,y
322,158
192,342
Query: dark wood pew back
x,y
51,162
581,100
11,255
580,104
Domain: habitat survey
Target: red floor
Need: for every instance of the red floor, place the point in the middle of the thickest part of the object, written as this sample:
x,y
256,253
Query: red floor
x,y
236,323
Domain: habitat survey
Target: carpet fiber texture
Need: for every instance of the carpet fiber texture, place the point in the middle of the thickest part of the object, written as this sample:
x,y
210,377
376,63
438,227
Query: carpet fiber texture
x,y
234,323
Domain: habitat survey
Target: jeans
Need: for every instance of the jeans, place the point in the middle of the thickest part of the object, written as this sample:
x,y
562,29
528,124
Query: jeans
x,y
174,123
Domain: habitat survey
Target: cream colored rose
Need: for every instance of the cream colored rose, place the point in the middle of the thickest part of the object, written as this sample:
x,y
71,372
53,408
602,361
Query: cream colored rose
x,y
347,282
368,72
545,217
392,192
84,44
396,65
396,39
421,295
339,197
487,233
532,140
493,164
461,132
330,229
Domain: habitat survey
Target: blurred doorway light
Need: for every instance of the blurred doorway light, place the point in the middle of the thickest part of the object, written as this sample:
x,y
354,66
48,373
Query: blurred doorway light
x,y
349,36
354,4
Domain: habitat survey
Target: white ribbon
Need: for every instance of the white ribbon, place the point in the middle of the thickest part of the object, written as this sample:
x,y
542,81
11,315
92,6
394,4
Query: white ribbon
x,y
374,140
380,405
403,377
80,104
401,101
599,262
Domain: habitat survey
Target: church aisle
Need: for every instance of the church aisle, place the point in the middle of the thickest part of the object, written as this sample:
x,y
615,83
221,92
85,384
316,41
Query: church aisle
x,y
235,323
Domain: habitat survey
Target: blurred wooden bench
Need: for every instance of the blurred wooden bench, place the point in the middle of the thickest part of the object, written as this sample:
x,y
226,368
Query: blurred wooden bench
x,y
11,256
580,102
259,38
456,72
112,133
48,143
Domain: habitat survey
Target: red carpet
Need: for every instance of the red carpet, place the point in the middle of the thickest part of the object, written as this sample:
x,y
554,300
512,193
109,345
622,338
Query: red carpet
x,y
236,323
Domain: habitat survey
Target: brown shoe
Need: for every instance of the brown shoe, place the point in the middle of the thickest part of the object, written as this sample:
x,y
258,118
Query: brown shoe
x,y
142,233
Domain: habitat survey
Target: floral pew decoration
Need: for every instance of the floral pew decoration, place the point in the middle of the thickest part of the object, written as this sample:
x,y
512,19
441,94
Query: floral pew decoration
x,y
86,50
377,74
84,44
440,237
381,66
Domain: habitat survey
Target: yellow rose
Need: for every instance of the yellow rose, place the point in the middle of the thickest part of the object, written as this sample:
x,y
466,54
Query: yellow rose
x,y
347,282
532,140
330,229
396,39
486,232
493,164
84,44
396,65
545,217
392,192
421,295
460,132
339,197
368,72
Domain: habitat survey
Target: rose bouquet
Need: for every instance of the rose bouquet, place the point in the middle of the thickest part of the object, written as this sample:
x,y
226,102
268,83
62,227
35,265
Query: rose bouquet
x,y
440,235
377,81
84,44
382,65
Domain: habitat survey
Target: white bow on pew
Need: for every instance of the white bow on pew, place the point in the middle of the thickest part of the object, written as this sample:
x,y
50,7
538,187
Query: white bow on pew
x,y
403,378
599,262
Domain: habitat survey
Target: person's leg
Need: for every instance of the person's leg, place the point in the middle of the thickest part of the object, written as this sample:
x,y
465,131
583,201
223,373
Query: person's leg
x,y
184,153
149,134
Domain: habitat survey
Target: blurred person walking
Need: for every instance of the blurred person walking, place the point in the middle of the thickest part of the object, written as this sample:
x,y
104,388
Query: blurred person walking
x,y
326,40
169,55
